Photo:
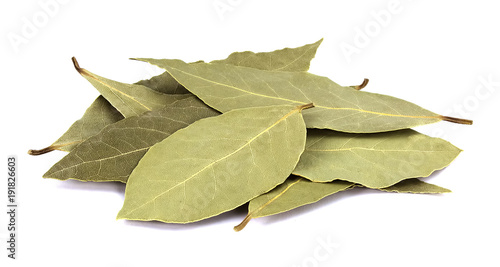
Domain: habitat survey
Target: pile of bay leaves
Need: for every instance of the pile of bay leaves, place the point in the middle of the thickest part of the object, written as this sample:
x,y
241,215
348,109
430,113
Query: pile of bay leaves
x,y
205,138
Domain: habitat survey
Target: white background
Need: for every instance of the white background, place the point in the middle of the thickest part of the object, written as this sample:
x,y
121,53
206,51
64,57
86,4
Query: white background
x,y
433,54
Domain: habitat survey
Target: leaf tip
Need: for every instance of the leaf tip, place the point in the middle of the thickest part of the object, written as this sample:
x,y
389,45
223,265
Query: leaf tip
x,y
456,120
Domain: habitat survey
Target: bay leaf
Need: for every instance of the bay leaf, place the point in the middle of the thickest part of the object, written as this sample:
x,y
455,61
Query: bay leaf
x,y
215,165
96,117
164,83
287,59
225,87
102,113
297,191
294,192
129,99
113,153
415,186
373,160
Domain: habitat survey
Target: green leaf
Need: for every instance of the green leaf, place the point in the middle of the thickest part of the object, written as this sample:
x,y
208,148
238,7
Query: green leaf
x,y
164,83
373,160
129,99
97,116
287,59
102,113
113,153
226,87
215,165
415,186
297,191
294,192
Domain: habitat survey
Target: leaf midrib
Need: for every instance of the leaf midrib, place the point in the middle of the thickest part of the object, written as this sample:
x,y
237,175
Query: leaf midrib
x,y
214,162
373,149
93,76
302,103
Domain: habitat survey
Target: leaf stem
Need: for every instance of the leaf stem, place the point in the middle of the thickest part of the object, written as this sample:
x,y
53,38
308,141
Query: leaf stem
x,y
362,85
306,106
36,152
77,66
243,223
456,120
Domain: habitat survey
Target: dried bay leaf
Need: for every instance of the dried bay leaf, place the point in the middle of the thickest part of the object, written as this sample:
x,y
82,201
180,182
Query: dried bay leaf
x,y
226,87
415,186
129,99
287,59
113,153
96,117
164,83
297,191
215,165
294,192
101,113
374,160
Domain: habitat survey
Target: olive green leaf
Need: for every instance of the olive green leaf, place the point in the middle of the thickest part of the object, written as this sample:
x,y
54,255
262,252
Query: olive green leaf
x,y
102,113
113,153
129,99
164,83
294,192
415,186
226,87
373,160
297,191
216,164
96,117
287,59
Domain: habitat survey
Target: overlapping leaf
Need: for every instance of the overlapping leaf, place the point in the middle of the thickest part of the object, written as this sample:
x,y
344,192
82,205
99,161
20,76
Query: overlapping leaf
x,y
227,87
134,133
215,164
113,153
373,160
129,99
164,83
293,193
101,113
287,59
415,186
96,117
297,191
